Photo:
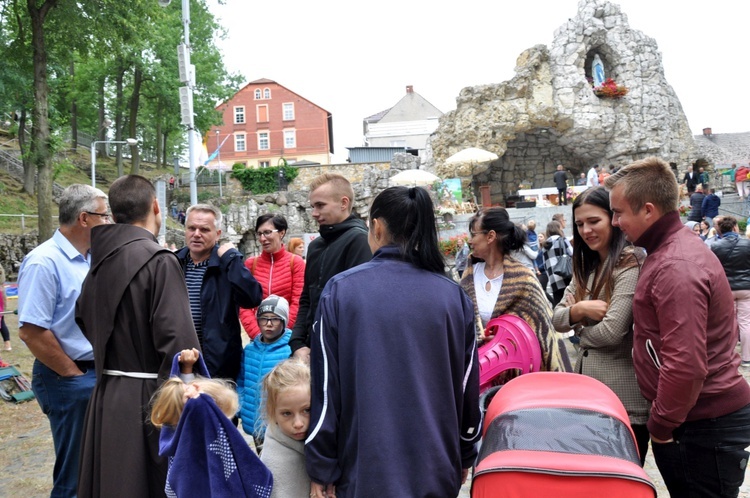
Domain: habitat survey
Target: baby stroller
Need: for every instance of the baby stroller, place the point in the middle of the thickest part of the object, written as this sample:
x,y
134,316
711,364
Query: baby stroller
x,y
514,347
558,434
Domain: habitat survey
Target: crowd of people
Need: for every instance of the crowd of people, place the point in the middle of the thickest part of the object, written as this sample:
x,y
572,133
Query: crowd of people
x,y
360,372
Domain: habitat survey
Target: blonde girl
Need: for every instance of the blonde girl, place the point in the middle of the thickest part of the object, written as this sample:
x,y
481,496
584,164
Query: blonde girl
x,y
286,409
192,432
170,399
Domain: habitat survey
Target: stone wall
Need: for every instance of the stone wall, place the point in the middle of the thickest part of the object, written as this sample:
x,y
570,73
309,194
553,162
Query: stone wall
x,y
548,114
368,180
12,250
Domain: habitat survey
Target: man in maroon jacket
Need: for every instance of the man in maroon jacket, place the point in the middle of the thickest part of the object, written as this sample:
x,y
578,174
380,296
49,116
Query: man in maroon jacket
x,y
684,339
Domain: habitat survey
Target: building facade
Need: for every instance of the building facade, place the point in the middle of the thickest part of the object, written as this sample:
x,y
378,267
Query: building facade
x,y
408,124
265,124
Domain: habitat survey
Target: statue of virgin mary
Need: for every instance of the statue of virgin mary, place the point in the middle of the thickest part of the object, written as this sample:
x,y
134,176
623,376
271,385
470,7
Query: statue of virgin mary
x,y
597,71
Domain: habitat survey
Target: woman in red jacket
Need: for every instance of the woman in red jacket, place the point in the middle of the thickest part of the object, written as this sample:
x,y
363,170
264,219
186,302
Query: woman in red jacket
x,y
277,270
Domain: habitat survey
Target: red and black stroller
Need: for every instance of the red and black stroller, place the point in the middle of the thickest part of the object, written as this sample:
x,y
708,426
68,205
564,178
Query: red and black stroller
x,y
558,434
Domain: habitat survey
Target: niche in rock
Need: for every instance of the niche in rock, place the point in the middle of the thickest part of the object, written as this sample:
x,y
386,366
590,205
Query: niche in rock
x,y
598,66
530,160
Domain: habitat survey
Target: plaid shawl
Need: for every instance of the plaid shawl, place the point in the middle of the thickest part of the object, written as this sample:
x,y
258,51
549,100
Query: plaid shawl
x,y
522,295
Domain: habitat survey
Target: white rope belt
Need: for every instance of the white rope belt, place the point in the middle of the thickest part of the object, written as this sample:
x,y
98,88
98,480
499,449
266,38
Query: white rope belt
x,y
134,375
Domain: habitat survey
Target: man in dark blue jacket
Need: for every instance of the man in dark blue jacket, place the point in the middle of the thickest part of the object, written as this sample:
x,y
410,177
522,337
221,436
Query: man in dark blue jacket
x,y
696,204
710,205
218,285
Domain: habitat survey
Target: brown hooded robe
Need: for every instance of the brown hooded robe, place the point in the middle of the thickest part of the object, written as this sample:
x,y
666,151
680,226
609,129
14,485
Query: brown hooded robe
x,y
134,309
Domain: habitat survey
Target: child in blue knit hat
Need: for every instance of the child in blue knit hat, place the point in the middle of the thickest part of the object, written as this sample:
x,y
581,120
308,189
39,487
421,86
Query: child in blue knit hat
x,y
268,348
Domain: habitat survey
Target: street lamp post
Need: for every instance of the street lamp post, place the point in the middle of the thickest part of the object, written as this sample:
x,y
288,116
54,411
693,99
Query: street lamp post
x,y
129,141
218,158
187,76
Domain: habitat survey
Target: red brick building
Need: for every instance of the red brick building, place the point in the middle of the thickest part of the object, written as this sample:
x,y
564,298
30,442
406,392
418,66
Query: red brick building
x,y
265,122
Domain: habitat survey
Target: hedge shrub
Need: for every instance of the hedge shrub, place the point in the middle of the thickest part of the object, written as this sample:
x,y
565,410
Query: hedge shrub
x,y
263,180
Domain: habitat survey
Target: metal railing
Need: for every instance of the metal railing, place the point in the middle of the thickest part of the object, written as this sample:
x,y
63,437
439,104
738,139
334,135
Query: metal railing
x,y
11,164
24,218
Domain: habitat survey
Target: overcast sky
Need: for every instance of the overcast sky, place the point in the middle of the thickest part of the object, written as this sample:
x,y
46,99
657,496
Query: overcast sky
x,y
355,59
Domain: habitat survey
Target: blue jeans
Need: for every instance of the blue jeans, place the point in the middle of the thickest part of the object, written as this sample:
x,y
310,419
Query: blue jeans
x,y
64,401
707,458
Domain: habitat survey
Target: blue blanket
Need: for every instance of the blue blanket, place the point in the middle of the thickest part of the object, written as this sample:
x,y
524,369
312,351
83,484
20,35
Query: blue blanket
x,y
208,456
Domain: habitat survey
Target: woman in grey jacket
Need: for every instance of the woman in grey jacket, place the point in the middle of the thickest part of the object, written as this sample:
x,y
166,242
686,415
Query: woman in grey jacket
x,y
598,305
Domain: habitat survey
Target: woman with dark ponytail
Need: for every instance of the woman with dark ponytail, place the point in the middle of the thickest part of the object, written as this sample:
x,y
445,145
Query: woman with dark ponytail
x,y
499,285
394,336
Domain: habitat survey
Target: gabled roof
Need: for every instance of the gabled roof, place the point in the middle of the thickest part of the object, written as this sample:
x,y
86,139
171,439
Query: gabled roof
x,y
266,81
377,117
411,107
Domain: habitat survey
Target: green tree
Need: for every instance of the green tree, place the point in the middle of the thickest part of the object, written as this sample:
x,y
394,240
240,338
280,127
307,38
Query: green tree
x,y
16,80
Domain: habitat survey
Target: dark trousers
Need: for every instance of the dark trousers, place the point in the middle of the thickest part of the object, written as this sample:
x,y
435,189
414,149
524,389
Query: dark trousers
x,y
562,196
64,401
707,457
543,280
641,440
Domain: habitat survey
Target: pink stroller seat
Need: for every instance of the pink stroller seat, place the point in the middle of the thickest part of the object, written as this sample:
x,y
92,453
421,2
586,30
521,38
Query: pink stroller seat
x,y
514,347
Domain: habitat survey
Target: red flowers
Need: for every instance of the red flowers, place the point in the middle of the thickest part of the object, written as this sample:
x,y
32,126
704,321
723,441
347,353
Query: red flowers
x,y
610,89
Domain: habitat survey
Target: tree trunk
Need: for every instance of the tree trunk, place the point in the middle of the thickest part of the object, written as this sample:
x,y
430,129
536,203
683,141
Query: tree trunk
x,y
160,146
163,139
135,99
100,135
119,98
40,132
73,112
29,168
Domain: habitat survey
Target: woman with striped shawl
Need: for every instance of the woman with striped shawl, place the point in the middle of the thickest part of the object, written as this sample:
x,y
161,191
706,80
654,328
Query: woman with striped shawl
x,y
500,285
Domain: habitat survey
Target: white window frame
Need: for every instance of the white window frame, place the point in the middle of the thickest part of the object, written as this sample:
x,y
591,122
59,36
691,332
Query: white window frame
x,y
266,93
257,94
290,144
264,135
287,111
240,142
239,114
264,164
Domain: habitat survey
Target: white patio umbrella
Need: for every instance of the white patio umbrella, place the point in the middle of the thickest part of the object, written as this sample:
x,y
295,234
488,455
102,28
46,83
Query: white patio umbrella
x,y
414,178
472,155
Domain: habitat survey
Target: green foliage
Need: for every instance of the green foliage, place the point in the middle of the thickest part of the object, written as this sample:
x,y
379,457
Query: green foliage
x,y
238,166
264,180
742,225
62,167
182,196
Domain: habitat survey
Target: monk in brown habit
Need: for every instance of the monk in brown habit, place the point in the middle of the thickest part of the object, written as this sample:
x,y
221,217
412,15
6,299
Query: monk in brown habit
x,y
134,310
